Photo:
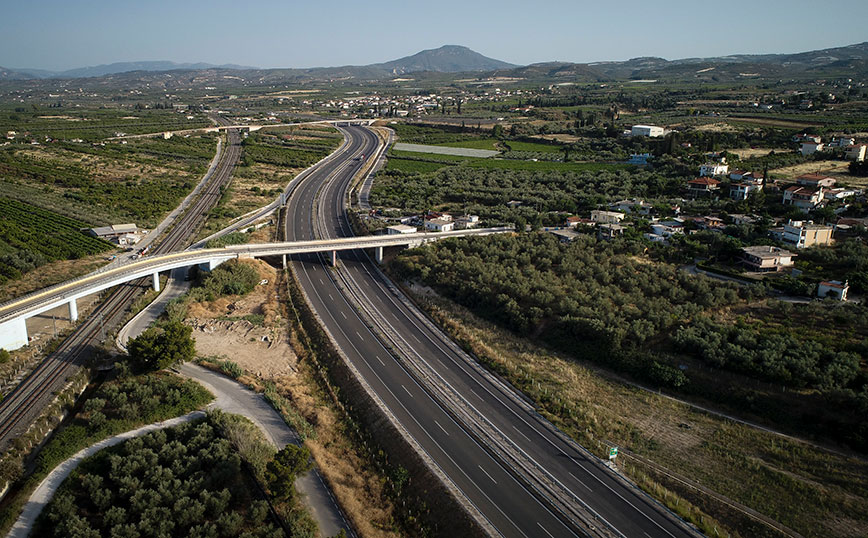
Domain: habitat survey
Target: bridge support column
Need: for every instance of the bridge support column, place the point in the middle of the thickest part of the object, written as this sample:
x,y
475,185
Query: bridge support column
x,y
13,334
284,261
378,254
334,258
156,279
73,310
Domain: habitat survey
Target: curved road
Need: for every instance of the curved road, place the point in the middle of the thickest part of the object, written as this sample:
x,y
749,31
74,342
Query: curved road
x,y
485,479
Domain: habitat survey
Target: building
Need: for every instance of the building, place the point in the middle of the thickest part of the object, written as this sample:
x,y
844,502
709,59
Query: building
x,y
662,230
842,142
512,204
634,206
702,186
805,198
710,169
120,234
856,153
565,236
742,219
804,234
815,180
809,148
833,289
467,221
439,225
766,259
741,191
606,217
572,222
639,159
399,229
607,232
804,137
840,193
647,130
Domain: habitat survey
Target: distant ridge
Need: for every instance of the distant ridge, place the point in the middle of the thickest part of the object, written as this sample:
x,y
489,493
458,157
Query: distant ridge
x,y
850,61
112,69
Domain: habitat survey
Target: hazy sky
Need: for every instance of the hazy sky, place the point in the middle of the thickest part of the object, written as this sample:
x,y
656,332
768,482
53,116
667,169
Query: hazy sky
x,y
53,34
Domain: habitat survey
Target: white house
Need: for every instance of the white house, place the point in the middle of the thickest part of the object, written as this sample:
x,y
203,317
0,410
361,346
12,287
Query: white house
x,y
803,197
713,169
764,258
840,193
651,131
815,180
741,191
856,153
834,289
842,142
399,229
606,217
809,148
439,225
635,205
467,221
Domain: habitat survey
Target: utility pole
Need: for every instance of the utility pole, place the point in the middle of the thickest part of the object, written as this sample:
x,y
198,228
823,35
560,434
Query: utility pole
x,y
54,321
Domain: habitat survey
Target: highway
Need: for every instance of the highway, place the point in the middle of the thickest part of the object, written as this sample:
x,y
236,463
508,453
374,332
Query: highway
x,y
19,408
523,476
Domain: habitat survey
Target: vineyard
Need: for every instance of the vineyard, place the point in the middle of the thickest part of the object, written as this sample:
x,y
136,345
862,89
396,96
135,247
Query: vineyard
x,y
31,236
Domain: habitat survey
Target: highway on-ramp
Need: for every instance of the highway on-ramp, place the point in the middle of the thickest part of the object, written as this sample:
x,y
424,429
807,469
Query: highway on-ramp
x,y
570,492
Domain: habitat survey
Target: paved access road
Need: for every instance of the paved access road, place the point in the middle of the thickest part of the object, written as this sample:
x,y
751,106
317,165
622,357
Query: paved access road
x,y
486,479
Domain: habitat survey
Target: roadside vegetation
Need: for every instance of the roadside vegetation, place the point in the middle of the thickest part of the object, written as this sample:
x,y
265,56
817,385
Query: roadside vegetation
x,y
671,449
121,404
608,304
190,480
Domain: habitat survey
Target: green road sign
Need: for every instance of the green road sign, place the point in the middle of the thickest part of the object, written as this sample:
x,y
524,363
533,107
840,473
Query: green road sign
x,y
613,452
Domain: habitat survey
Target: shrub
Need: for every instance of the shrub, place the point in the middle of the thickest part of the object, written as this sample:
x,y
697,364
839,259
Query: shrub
x,y
160,347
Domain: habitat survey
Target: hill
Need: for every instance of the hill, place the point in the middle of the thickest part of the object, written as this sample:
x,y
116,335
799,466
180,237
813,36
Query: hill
x,y
446,59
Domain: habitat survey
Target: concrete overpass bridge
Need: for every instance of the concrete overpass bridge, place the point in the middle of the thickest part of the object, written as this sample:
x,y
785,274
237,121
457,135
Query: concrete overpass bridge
x,y
14,314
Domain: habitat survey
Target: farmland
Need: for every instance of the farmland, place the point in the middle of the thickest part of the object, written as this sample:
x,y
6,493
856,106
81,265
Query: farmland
x,y
31,236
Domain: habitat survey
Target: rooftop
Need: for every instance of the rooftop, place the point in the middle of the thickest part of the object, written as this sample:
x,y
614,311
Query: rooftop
x,y
767,252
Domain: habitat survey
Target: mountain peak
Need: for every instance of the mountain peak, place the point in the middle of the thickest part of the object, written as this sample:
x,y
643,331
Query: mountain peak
x,y
446,59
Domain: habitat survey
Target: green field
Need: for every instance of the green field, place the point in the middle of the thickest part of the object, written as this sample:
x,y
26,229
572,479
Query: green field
x,y
513,164
475,143
518,145
31,236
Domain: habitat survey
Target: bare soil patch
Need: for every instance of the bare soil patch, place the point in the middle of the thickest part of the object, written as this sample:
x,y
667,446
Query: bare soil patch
x,y
721,127
747,153
247,330
774,122
569,139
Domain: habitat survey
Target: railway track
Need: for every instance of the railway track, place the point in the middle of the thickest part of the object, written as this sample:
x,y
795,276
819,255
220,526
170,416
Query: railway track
x,y
24,404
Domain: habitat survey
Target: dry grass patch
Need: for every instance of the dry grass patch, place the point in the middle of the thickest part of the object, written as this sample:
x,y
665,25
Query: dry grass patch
x,y
813,167
50,274
358,488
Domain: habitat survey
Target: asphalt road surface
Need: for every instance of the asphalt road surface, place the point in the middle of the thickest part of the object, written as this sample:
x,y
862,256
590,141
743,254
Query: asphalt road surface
x,y
491,484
